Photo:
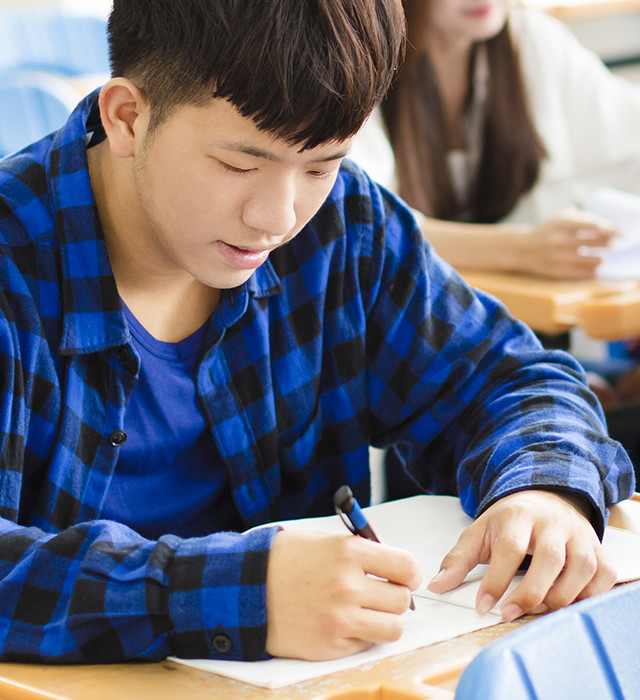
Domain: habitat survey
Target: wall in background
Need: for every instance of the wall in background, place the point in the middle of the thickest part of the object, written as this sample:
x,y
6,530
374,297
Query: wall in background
x,y
615,38
611,28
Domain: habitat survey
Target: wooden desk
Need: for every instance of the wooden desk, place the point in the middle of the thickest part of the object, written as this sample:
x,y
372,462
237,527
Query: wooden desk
x,y
427,673
430,672
605,310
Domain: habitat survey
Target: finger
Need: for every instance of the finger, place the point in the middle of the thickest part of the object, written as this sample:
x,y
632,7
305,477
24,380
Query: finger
x,y
572,247
467,553
375,627
596,236
587,241
587,572
590,256
508,551
396,565
573,218
547,563
571,250
604,580
385,596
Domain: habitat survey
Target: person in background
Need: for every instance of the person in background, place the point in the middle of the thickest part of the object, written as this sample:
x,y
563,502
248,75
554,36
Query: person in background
x,y
206,319
498,126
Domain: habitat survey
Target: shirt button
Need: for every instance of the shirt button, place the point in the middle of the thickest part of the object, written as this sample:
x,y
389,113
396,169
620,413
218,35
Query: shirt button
x,y
123,354
222,643
118,437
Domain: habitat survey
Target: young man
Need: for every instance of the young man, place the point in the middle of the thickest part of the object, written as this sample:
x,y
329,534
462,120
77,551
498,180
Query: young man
x,y
207,318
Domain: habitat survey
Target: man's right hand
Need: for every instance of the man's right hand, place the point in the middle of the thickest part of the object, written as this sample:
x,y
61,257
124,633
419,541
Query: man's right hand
x,y
330,595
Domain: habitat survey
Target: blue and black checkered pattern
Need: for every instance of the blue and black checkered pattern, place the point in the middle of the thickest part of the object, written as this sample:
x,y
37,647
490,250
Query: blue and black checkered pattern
x,y
353,334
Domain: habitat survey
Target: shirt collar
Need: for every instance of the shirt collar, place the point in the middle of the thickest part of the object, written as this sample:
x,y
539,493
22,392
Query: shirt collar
x,y
92,313
264,282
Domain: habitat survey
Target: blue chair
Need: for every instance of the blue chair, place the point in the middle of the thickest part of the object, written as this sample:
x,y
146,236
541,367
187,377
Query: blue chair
x,y
50,38
586,651
32,104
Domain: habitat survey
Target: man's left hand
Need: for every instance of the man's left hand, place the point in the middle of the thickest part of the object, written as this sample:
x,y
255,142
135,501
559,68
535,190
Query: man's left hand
x,y
567,559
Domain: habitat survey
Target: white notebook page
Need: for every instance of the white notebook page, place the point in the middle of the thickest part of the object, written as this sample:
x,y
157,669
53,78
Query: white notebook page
x,y
428,526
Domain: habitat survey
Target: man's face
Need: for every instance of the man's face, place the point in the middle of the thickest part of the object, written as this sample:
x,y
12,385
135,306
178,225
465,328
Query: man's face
x,y
217,195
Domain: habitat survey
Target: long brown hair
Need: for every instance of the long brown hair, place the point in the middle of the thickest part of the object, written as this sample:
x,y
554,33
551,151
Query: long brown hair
x,y
511,148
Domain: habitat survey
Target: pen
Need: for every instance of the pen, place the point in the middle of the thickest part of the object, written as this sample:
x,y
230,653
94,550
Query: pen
x,y
348,508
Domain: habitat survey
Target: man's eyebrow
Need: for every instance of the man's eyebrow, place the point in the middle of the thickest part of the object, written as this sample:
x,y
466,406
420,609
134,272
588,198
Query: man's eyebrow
x,y
334,156
267,155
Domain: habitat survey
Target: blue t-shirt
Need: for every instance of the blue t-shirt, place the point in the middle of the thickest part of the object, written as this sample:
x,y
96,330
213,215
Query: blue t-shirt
x,y
169,477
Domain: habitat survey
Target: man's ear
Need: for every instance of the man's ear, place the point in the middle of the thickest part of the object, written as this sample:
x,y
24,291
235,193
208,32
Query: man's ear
x,y
124,111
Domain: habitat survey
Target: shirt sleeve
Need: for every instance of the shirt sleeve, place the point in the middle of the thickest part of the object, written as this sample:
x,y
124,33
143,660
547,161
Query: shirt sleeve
x,y
98,592
467,395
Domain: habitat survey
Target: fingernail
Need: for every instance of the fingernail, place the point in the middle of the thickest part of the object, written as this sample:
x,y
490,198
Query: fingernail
x,y
485,604
511,612
438,576
542,608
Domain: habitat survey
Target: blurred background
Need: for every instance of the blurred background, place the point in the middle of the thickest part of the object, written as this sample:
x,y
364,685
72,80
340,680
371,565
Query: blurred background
x,y
51,55
100,7
53,52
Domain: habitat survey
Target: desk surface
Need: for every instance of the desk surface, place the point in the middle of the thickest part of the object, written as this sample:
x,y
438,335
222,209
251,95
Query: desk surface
x,y
604,309
430,672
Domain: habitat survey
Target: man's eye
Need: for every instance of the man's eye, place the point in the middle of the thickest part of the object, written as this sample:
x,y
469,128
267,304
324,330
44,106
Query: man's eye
x,y
233,169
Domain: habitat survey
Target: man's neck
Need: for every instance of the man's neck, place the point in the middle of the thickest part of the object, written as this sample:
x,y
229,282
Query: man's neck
x,y
175,314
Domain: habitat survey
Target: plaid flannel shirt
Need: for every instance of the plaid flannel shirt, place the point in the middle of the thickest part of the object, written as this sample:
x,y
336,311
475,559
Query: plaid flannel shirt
x,y
353,334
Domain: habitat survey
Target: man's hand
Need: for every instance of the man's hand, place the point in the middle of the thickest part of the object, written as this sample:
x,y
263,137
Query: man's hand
x,y
567,560
321,601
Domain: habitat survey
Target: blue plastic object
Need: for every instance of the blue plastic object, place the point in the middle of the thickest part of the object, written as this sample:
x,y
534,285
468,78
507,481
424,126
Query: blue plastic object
x,y
586,651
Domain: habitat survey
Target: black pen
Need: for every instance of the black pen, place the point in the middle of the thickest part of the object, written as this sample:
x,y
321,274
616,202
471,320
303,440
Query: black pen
x,y
348,508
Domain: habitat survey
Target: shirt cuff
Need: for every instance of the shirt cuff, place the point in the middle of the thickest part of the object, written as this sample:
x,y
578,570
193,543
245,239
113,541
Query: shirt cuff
x,y
217,596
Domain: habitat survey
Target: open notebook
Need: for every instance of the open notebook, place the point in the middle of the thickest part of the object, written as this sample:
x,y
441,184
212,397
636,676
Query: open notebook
x,y
428,526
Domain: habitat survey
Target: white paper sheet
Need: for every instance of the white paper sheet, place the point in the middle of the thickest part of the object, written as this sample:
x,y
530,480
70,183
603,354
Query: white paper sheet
x,y
622,261
428,526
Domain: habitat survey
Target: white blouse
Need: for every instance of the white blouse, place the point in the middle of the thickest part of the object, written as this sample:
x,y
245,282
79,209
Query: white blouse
x,y
587,117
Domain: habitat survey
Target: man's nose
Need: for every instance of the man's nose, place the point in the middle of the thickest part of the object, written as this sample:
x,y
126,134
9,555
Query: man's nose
x,y
272,209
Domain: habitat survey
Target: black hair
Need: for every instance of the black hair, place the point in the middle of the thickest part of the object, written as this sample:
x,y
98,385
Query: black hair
x,y
308,71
